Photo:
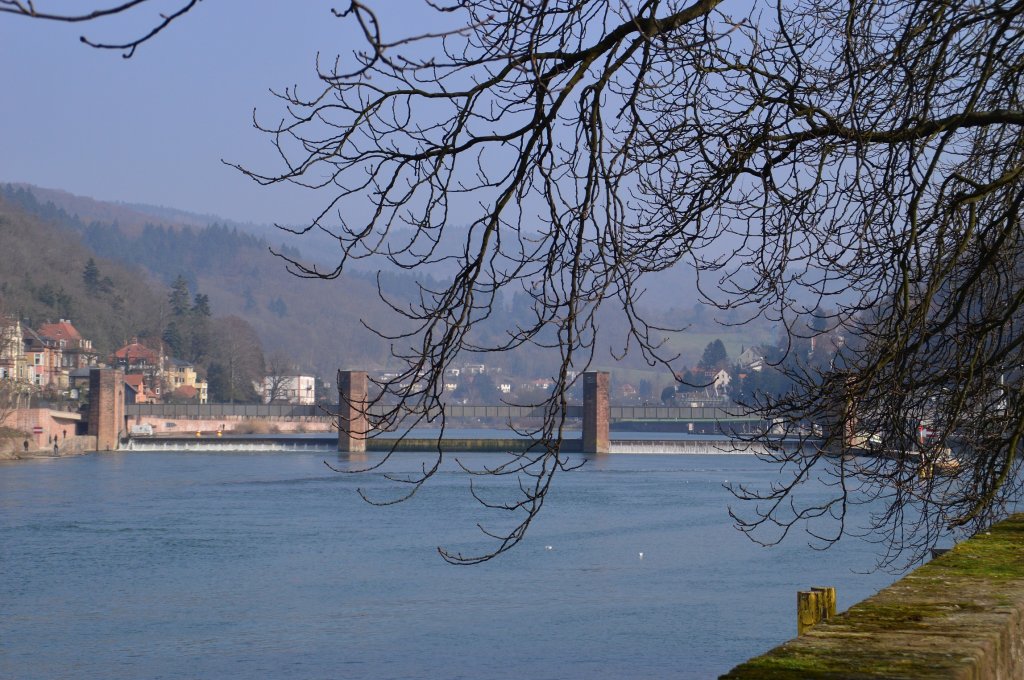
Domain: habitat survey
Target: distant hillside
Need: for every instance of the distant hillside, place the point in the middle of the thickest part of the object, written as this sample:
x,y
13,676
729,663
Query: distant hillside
x,y
41,279
67,208
132,218
316,324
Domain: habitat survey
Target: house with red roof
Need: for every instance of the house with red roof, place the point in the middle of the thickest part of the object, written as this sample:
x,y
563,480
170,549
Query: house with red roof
x,y
76,351
140,390
44,357
136,356
137,359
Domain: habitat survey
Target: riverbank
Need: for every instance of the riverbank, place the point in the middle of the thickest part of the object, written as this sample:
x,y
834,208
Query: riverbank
x,y
31,432
959,616
12,447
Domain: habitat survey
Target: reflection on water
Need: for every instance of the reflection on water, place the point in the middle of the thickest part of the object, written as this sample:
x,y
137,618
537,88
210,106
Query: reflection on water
x,y
269,565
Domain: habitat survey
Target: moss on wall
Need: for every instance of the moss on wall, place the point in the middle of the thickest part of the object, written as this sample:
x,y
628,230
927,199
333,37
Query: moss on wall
x,y
959,616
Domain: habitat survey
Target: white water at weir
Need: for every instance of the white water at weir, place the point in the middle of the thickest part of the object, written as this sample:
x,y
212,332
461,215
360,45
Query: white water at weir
x,y
685,447
705,447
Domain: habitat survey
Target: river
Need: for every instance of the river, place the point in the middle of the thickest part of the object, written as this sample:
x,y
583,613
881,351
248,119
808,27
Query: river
x,y
221,565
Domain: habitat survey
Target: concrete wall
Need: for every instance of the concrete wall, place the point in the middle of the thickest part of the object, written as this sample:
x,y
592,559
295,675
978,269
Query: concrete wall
x,y
959,616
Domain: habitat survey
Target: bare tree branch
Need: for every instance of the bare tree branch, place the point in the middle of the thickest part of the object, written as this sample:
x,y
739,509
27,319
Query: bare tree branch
x,y
857,157
39,10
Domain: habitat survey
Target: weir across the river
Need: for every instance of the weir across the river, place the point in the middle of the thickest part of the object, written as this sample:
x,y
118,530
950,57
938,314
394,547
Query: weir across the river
x,y
217,425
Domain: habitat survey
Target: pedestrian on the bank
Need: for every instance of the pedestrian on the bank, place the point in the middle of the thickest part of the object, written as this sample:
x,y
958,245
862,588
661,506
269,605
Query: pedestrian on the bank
x,y
65,435
55,449
26,445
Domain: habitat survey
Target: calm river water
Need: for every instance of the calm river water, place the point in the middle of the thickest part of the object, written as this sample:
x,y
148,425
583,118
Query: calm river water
x,y
223,565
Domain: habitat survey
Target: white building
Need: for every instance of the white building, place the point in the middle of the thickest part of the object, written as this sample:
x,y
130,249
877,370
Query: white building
x,y
289,389
721,384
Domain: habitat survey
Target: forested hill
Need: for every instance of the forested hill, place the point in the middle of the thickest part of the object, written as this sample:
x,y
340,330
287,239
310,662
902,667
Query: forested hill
x,y
165,250
41,279
312,324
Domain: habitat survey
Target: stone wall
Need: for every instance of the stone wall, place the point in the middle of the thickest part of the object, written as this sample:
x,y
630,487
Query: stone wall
x,y
959,616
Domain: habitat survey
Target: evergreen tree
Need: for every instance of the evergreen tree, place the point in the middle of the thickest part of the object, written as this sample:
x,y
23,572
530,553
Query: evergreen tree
x,y
179,297
173,339
91,277
219,384
715,356
201,305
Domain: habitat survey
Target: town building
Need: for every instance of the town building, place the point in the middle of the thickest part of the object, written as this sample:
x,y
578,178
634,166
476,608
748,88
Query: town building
x,y
76,351
288,389
136,357
147,364
751,358
44,358
183,382
13,365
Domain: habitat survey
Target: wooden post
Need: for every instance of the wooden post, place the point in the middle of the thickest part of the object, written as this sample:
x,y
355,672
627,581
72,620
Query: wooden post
x,y
814,606
826,601
807,611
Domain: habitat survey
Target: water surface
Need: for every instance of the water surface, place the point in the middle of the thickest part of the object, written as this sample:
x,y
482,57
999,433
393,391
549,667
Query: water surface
x,y
213,565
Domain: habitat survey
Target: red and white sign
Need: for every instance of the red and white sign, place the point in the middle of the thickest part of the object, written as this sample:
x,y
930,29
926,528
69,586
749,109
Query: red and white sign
x,y
38,429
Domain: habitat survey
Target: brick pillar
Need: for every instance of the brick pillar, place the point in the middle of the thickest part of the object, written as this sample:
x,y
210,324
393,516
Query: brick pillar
x,y
106,407
595,412
352,423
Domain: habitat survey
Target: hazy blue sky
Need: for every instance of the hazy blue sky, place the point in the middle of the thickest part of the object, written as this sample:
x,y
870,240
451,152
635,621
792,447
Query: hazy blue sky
x,y
154,128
